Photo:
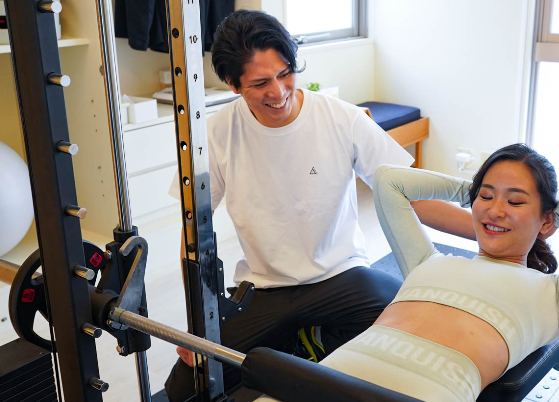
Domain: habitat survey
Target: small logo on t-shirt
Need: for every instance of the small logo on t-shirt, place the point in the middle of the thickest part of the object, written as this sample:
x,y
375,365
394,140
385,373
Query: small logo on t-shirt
x,y
313,171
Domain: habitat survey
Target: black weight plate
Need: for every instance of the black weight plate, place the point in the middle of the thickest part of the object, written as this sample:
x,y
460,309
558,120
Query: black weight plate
x,y
27,294
94,258
27,297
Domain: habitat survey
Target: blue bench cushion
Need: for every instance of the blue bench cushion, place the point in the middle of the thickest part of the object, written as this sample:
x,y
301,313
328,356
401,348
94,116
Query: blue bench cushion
x,y
390,115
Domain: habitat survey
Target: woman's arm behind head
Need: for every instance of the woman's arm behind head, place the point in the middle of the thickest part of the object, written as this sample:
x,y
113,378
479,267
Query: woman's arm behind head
x,y
393,189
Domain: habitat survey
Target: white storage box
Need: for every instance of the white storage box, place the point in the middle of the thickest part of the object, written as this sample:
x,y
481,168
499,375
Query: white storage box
x,y
141,109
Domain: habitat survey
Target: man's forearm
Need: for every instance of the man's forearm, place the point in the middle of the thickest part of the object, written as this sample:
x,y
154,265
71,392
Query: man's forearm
x,y
446,217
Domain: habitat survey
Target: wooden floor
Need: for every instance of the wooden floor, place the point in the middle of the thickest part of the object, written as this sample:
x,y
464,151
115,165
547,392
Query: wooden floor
x,y
166,296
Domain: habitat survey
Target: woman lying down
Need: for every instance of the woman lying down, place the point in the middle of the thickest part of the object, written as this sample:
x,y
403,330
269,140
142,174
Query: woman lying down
x,y
457,324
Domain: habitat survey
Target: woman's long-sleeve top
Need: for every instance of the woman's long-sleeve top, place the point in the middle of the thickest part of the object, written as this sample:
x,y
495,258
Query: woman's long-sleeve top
x,y
519,302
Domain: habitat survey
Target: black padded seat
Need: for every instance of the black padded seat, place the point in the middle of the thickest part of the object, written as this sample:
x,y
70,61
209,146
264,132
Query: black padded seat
x,y
519,380
292,379
390,115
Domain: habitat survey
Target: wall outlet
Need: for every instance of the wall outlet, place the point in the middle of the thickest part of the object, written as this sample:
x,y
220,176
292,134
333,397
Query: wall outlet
x,y
464,159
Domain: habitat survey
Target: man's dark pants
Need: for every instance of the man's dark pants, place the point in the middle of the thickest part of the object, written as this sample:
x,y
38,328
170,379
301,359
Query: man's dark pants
x,y
344,306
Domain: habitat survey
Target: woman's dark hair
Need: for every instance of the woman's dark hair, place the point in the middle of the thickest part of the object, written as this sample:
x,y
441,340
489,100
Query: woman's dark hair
x,y
540,256
240,35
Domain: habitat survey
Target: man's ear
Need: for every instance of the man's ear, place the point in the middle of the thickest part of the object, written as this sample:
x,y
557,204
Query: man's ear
x,y
233,88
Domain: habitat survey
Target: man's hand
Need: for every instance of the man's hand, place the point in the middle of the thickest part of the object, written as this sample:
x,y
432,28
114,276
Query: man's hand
x,y
186,356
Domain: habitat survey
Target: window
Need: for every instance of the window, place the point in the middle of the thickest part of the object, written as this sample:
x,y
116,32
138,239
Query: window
x,y
555,18
546,118
310,21
549,20
543,119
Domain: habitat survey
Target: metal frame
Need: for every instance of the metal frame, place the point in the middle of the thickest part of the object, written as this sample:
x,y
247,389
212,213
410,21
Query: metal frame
x,y
547,35
48,147
543,49
43,115
112,92
538,16
199,269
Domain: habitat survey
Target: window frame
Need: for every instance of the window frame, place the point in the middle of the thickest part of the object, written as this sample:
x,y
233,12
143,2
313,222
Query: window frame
x,y
546,34
545,48
357,31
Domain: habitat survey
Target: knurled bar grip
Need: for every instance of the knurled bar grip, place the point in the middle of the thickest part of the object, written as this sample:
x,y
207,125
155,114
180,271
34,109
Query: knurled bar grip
x,y
169,334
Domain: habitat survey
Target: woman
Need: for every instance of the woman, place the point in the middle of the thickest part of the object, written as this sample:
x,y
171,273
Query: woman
x,y
457,324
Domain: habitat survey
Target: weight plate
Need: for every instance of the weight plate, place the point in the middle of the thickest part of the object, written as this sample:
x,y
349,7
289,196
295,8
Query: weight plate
x,y
27,298
27,293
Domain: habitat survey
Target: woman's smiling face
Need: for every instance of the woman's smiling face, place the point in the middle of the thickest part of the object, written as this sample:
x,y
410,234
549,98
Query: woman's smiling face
x,y
507,212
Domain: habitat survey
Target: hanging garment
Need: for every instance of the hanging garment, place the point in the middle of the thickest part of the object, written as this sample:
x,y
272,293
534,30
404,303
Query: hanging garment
x,y
144,22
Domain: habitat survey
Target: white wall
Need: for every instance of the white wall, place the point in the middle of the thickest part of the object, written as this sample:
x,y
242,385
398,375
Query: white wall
x,y
348,65
460,62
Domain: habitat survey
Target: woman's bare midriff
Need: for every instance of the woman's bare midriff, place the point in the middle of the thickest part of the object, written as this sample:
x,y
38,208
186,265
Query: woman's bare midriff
x,y
453,328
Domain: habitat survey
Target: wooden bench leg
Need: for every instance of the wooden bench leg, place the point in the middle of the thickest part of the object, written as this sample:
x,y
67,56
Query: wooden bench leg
x,y
418,154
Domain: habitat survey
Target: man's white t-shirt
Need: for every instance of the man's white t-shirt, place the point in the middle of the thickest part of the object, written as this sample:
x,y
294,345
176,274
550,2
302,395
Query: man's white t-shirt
x,y
291,190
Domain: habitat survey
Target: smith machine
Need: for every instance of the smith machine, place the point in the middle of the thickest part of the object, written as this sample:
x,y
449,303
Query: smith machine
x,y
84,290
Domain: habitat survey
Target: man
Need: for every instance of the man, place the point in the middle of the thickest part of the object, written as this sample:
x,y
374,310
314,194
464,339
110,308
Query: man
x,y
287,159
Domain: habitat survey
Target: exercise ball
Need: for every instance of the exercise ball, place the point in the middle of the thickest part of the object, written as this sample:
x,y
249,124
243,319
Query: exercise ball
x,y
16,202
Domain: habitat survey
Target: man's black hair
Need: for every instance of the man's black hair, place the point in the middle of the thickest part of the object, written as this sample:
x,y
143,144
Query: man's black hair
x,y
240,35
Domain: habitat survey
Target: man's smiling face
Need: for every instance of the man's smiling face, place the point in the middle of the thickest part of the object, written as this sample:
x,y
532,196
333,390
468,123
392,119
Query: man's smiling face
x,y
268,87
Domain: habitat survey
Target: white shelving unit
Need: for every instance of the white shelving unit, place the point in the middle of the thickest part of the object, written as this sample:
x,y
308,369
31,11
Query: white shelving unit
x,y
80,58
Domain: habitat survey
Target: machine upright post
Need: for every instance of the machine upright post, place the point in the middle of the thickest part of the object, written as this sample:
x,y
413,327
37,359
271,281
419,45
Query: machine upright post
x,y
112,92
200,266
42,107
